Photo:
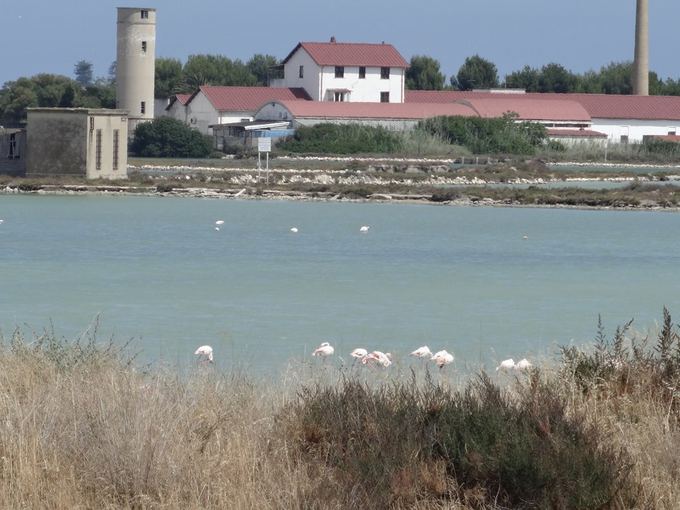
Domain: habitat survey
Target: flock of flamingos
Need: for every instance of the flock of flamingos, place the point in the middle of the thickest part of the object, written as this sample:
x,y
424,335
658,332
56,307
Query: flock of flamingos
x,y
384,359
376,358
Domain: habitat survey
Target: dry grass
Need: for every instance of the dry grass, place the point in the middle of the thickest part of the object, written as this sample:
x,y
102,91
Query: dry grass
x,y
82,427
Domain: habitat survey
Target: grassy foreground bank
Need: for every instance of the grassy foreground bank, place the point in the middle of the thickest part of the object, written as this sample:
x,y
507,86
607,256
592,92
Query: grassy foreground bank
x,y
82,427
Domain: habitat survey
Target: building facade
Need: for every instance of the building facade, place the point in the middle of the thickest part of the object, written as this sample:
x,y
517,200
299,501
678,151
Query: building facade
x,y
346,72
84,142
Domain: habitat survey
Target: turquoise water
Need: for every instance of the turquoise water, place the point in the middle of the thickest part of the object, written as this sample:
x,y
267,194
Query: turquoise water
x,y
155,270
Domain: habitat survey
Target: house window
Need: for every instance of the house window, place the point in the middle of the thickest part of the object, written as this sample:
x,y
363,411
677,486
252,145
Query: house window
x,y
12,147
339,97
384,97
143,46
339,71
671,133
385,73
624,139
115,148
144,14
362,72
142,107
98,150
301,72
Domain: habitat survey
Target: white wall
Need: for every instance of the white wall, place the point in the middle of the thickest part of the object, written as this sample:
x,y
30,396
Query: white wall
x,y
363,90
276,111
273,111
177,111
310,79
159,107
230,117
201,113
634,129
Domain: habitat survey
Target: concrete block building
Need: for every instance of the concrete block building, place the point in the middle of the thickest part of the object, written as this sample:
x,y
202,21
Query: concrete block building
x,y
84,142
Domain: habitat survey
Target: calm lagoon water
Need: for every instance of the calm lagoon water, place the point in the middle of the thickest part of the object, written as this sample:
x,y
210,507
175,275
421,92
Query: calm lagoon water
x,y
155,270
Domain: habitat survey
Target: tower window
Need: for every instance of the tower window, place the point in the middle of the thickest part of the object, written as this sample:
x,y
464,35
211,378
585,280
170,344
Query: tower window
x,y
144,14
98,150
142,108
143,46
116,146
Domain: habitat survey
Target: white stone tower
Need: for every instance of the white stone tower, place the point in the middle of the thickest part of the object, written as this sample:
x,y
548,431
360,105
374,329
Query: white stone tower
x,y
641,62
136,63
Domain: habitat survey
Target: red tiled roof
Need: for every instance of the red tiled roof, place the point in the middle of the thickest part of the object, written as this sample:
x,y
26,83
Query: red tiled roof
x,y
560,110
600,106
351,54
667,138
183,98
347,110
575,133
246,99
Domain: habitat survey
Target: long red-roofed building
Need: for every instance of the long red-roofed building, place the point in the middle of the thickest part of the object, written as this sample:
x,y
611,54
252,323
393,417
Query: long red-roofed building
x,y
623,118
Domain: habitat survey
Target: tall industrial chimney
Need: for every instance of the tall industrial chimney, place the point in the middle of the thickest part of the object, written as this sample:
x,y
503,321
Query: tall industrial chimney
x,y
136,64
641,62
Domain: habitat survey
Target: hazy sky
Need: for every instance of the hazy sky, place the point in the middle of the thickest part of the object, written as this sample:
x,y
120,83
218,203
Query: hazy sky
x,y
52,35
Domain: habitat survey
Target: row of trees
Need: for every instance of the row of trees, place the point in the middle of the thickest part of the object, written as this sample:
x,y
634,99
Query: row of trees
x,y
84,90
52,90
478,73
173,77
423,74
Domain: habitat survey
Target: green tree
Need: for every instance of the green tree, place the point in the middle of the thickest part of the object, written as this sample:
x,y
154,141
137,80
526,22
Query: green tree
x,y
670,87
555,78
526,79
477,73
168,77
263,67
15,97
216,70
83,72
68,98
616,78
424,74
169,138
113,69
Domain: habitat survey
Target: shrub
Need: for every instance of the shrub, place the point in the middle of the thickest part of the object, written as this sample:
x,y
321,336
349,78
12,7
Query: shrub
x,y
166,137
630,365
397,444
342,139
488,136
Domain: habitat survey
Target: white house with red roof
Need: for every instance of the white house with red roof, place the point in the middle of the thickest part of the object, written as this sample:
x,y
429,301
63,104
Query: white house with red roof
x,y
225,105
346,72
